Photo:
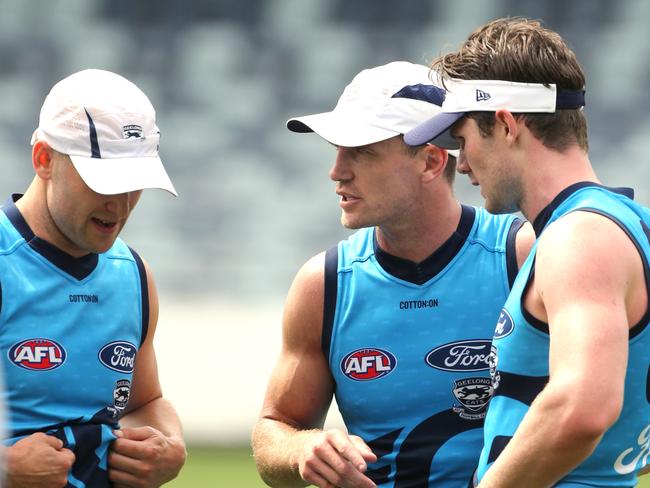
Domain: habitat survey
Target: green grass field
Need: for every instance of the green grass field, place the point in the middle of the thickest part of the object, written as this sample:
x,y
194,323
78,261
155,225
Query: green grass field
x,y
210,467
216,467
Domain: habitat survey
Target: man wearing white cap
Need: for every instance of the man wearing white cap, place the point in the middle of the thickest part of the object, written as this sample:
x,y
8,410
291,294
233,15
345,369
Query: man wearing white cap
x,y
395,321
570,365
79,307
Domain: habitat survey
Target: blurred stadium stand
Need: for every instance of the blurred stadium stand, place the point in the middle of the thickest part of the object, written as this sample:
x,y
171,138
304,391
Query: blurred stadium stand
x,y
255,200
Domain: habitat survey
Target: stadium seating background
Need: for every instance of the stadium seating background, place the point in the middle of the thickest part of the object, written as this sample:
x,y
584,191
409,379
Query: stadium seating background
x,y
255,200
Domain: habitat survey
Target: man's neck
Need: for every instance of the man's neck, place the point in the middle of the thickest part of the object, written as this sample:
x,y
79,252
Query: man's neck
x,y
550,172
421,235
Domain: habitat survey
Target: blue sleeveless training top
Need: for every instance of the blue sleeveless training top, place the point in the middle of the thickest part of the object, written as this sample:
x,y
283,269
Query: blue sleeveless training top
x,y
69,333
521,347
408,347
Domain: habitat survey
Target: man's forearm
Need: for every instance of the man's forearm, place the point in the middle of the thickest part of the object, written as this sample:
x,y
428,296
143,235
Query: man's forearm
x,y
159,414
274,446
543,450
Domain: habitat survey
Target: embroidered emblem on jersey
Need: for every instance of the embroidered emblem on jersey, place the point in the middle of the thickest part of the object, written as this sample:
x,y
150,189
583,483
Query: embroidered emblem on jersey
x,y
627,461
505,325
494,374
470,355
368,364
118,356
37,354
121,394
473,394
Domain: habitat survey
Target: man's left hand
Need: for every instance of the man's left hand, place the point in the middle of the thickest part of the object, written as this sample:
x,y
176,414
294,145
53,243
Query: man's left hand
x,y
144,457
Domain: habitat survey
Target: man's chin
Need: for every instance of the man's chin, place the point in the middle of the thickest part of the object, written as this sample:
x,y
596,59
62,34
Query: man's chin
x,y
351,224
497,208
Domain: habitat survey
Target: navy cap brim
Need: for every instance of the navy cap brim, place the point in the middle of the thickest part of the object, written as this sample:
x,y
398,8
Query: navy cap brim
x,y
434,131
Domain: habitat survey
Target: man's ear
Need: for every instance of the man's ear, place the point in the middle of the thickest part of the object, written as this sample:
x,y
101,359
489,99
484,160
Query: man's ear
x,y
435,161
42,159
506,121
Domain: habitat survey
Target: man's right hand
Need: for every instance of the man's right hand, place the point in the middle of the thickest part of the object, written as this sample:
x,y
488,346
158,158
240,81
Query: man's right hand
x,y
38,461
333,458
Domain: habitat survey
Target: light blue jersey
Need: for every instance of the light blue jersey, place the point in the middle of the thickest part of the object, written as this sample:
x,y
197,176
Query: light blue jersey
x,y
521,356
408,347
69,333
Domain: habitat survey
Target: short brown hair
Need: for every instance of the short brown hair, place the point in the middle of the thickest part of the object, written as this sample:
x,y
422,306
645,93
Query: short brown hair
x,y
522,50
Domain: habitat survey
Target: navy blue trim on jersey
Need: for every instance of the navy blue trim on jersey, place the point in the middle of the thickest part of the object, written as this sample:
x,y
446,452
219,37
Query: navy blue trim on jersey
x,y
381,446
520,387
78,268
647,386
94,142
641,324
538,324
144,292
473,481
645,319
329,300
547,212
511,250
425,93
419,273
499,443
420,446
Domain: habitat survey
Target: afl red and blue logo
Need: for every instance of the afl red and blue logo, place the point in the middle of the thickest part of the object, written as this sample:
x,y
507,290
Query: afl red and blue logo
x,y
368,364
118,356
37,354
505,325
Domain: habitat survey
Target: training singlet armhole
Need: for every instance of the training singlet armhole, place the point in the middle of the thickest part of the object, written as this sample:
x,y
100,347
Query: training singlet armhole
x,y
511,250
144,294
645,319
329,300
530,318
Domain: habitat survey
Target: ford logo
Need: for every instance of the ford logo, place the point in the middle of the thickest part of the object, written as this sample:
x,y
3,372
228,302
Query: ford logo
x,y
118,356
470,355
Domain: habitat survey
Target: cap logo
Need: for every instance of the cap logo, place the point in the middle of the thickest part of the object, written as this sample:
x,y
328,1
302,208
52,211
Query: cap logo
x,y
129,131
481,96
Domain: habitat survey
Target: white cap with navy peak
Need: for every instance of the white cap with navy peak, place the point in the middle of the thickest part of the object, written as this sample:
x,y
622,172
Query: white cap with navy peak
x,y
107,126
378,104
464,96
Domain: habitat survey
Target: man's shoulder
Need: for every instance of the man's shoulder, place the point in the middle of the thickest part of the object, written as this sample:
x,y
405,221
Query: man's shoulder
x,y
121,250
10,238
494,230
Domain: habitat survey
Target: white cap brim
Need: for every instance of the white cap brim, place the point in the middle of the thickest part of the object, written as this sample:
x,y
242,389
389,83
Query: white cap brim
x,y
123,175
434,131
341,129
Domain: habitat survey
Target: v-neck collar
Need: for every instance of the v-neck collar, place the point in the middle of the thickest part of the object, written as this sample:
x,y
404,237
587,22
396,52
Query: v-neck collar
x,y
79,268
419,273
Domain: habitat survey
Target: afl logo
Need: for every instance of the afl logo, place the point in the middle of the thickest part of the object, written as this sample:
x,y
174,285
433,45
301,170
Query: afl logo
x,y
505,325
469,355
118,356
37,354
368,364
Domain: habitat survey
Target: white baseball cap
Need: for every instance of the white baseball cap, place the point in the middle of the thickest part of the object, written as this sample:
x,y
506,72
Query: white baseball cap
x,y
107,126
378,104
